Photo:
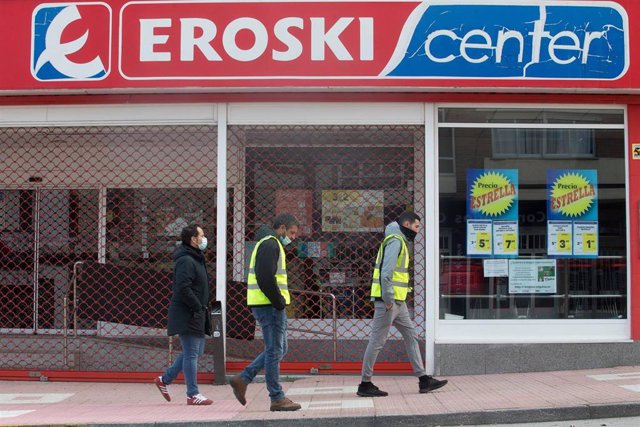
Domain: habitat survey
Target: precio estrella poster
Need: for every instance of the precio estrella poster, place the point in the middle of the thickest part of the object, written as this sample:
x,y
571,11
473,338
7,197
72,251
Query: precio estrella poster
x,y
572,213
492,212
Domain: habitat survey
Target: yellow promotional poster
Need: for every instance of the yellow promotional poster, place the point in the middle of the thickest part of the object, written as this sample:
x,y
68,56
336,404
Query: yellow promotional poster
x,y
572,195
352,210
492,194
492,212
572,213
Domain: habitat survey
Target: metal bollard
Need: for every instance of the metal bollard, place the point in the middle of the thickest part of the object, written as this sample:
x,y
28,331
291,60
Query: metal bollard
x,y
218,346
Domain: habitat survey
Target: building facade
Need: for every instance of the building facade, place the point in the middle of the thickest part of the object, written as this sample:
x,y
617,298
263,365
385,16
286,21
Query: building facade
x,y
510,127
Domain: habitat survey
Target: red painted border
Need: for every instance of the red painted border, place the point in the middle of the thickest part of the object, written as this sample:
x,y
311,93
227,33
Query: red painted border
x,y
287,368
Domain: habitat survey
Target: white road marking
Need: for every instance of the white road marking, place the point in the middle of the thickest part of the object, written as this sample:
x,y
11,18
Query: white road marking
x,y
360,403
302,391
11,414
620,377
31,398
614,377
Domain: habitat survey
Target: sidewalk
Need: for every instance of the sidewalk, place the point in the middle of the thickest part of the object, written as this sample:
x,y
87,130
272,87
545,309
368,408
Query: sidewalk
x,y
331,401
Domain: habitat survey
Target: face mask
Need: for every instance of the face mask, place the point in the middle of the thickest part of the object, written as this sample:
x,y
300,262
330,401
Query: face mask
x,y
285,240
203,245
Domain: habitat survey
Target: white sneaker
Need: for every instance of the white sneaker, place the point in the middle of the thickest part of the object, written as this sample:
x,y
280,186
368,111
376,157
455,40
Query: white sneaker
x,y
198,399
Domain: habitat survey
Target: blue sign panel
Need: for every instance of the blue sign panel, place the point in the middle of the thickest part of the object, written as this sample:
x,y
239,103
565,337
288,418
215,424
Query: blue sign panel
x,y
532,40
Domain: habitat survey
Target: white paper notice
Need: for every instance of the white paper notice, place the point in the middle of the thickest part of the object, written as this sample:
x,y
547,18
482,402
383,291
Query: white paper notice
x,y
560,238
505,238
532,276
585,238
479,237
496,267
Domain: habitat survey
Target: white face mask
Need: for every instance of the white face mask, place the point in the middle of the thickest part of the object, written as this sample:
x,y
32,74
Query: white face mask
x,y
203,244
285,240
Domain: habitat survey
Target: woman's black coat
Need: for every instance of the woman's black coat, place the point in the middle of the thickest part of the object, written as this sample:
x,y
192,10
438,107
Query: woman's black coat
x,y
188,312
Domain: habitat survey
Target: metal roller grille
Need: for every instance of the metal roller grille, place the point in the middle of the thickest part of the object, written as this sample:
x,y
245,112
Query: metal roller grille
x,y
90,217
343,183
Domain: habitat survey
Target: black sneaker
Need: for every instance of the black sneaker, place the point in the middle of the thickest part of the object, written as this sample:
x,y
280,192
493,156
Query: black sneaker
x,y
428,383
369,390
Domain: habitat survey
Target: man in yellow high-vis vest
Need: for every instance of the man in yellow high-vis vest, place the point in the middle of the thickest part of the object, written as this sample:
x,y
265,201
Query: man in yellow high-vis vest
x,y
389,289
268,295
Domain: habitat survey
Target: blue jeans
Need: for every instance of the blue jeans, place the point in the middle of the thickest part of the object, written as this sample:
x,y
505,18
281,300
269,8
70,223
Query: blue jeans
x,y
274,331
187,361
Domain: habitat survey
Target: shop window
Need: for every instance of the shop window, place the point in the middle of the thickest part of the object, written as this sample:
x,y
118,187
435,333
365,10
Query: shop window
x,y
534,159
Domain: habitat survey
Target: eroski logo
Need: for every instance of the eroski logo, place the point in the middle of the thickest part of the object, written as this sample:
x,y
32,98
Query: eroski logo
x,y
71,41
536,39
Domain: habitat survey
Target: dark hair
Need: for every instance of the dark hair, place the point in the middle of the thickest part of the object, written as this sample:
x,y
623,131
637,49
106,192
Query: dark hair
x,y
407,216
188,232
285,219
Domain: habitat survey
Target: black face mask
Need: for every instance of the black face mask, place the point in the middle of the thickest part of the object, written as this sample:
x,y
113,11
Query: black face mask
x,y
408,233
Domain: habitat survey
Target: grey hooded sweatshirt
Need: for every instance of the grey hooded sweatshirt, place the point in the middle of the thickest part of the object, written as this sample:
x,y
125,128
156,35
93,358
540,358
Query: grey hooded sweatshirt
x,y
391,253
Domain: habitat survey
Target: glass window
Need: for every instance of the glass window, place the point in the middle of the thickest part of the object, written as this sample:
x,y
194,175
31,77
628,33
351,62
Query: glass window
x,y
542,142
531,116
537,281
445,152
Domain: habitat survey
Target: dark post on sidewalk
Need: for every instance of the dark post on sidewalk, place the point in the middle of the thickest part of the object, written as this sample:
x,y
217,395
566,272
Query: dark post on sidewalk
x,y
218,344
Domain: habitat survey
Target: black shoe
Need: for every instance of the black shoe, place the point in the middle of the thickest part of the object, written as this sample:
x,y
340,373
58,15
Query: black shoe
x,y
428,383
369,390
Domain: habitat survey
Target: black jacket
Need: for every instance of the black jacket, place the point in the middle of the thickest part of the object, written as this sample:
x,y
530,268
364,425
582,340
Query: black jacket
x,y
266,267
188,311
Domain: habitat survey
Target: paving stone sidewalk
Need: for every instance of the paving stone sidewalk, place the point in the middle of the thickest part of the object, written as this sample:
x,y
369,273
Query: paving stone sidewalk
x,y
331,401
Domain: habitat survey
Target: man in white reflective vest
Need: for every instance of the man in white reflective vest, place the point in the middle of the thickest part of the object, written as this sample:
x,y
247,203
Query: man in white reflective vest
x,y
389,289
268,295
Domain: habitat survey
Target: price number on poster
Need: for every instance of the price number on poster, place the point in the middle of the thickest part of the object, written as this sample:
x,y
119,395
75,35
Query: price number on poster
x,y
509,243
564,242
483,242
589,244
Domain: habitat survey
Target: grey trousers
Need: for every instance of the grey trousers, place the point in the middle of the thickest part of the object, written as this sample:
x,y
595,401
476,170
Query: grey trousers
x,y
397,316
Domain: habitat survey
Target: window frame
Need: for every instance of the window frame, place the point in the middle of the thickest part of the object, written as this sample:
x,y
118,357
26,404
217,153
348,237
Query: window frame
x,y
485,331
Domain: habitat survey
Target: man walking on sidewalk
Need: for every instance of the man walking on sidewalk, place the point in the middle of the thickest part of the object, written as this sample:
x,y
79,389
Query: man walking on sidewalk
x,y
268,295
389,290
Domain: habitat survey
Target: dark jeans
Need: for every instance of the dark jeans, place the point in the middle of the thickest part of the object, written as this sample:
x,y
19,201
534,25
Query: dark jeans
x,y
274,331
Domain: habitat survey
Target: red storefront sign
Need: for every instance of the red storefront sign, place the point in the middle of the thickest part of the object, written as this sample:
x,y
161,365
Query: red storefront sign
x,y
129,45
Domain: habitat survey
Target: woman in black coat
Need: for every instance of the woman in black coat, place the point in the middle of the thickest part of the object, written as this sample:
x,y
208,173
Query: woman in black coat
x,y
188,313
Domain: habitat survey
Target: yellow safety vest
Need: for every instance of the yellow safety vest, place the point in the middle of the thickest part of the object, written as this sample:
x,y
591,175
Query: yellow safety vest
x,y
400,278
254,295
